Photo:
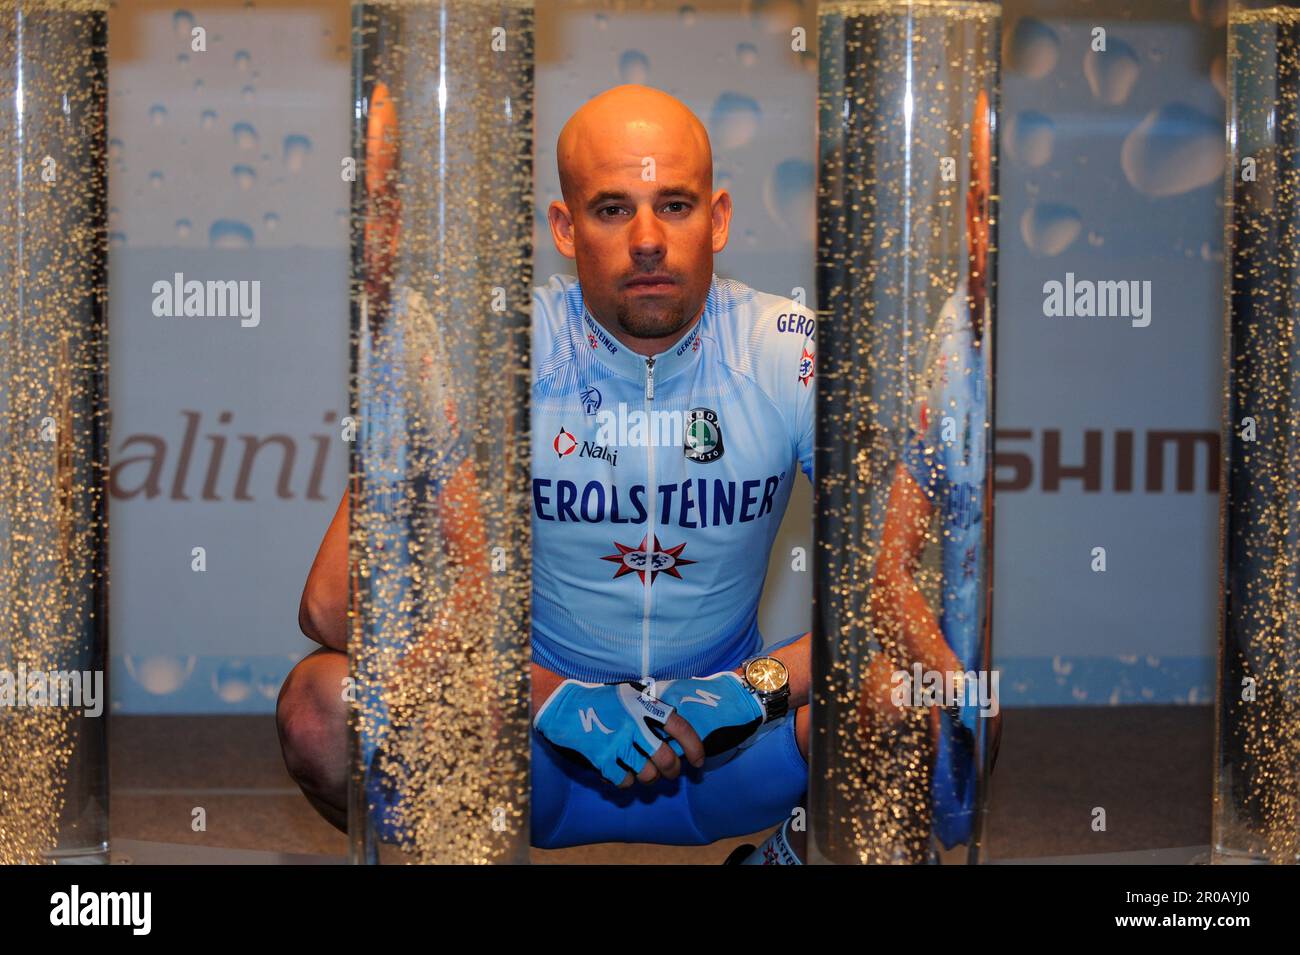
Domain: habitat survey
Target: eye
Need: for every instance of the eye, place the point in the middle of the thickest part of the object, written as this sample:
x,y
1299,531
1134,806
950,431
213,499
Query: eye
x,y
601,212
677,202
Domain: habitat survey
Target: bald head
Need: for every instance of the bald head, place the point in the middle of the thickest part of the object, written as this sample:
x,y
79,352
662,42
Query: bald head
x,y
643,122
640,216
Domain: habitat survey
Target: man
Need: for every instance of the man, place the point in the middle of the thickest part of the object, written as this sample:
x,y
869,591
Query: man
x,y
945,467
670,410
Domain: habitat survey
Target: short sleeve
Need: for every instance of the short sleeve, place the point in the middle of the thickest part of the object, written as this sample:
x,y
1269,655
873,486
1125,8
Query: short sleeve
x,y
806,405
921,453
786,364
425,378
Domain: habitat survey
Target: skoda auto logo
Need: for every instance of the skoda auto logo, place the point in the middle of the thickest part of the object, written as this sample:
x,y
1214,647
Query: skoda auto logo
x,y
703,435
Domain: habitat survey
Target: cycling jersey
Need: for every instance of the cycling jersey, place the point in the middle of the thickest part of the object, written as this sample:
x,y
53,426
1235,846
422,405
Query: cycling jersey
x,y
946,456
947,439
659,483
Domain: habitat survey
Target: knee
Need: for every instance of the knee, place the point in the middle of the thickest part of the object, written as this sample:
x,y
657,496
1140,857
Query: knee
x,y
311,718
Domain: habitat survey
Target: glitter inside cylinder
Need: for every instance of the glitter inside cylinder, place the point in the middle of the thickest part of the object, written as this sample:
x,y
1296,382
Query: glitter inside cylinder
x,y
1257,784
440,536
53,432
906,246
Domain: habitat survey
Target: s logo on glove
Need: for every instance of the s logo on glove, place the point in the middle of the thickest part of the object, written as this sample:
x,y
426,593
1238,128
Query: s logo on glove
x,y
720,708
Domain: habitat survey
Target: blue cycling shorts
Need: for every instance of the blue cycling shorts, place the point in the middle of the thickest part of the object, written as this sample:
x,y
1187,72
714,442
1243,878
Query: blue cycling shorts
x,y
752,787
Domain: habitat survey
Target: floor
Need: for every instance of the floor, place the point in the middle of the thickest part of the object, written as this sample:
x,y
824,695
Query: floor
x,y
1150,768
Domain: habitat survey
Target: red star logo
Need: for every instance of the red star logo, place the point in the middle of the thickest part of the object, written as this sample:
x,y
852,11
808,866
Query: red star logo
x,y
591,339
658,561
806,361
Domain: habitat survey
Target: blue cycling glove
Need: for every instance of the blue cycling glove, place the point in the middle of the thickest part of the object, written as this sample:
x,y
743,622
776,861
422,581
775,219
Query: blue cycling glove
x,y
611,727
720,708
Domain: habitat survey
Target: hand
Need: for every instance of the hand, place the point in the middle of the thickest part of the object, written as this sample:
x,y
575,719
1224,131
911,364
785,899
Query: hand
x,y
617,729
721,709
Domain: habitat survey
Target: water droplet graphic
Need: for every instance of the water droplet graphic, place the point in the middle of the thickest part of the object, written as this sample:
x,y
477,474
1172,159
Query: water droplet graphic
x,y
633,67
245,135
182,23
160,675
233,681
1111,73
1030,137
1175,149
296,150
230,234
1034,48
789,196
1049,228
734,120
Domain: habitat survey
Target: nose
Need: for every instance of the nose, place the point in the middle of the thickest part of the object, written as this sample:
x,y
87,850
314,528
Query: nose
x,y
646,237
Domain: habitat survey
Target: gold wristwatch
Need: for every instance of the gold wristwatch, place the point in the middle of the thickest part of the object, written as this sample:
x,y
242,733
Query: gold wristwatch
x,y
769,680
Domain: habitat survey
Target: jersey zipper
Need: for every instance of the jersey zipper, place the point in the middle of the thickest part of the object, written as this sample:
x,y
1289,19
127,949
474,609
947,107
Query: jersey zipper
x,y
652,495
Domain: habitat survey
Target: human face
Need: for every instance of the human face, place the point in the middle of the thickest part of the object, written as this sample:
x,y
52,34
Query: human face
x,y
644,249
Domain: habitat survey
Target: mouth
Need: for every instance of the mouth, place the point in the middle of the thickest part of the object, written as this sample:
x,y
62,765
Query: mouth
x,y
650,283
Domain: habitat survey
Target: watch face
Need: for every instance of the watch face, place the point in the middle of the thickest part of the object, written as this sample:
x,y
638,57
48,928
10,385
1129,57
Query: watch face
x,y
766,674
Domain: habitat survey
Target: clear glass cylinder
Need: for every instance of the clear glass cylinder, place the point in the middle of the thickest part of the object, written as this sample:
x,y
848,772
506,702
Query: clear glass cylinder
x,y
53,432
903,688
441,571
1257,771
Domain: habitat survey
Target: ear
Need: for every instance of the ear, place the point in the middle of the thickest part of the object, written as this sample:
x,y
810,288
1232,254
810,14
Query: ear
x,y
561,223
721,209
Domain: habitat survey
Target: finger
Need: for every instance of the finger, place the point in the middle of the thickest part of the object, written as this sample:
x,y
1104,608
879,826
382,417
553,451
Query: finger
x,y
685,734
649,773
665,760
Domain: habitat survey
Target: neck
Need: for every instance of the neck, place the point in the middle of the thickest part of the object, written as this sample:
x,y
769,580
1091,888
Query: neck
x,y
649,346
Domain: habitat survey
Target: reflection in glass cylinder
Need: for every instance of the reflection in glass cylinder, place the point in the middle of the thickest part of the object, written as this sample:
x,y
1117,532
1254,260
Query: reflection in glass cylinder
x,y
906,242
442,228
53,432
1257,785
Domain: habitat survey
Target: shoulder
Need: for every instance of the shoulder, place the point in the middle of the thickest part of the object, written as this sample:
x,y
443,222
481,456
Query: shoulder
x,y
555,305
768,338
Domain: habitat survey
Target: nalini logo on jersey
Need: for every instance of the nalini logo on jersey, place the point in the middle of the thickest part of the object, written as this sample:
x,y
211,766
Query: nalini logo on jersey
x,y
806,362
703,438
564,444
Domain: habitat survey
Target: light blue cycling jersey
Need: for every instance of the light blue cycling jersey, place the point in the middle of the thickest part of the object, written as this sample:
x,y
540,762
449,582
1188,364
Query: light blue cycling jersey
x,y
659,483
945,455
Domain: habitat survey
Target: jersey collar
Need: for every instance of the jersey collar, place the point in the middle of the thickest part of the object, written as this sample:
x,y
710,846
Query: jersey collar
x,y
628,364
